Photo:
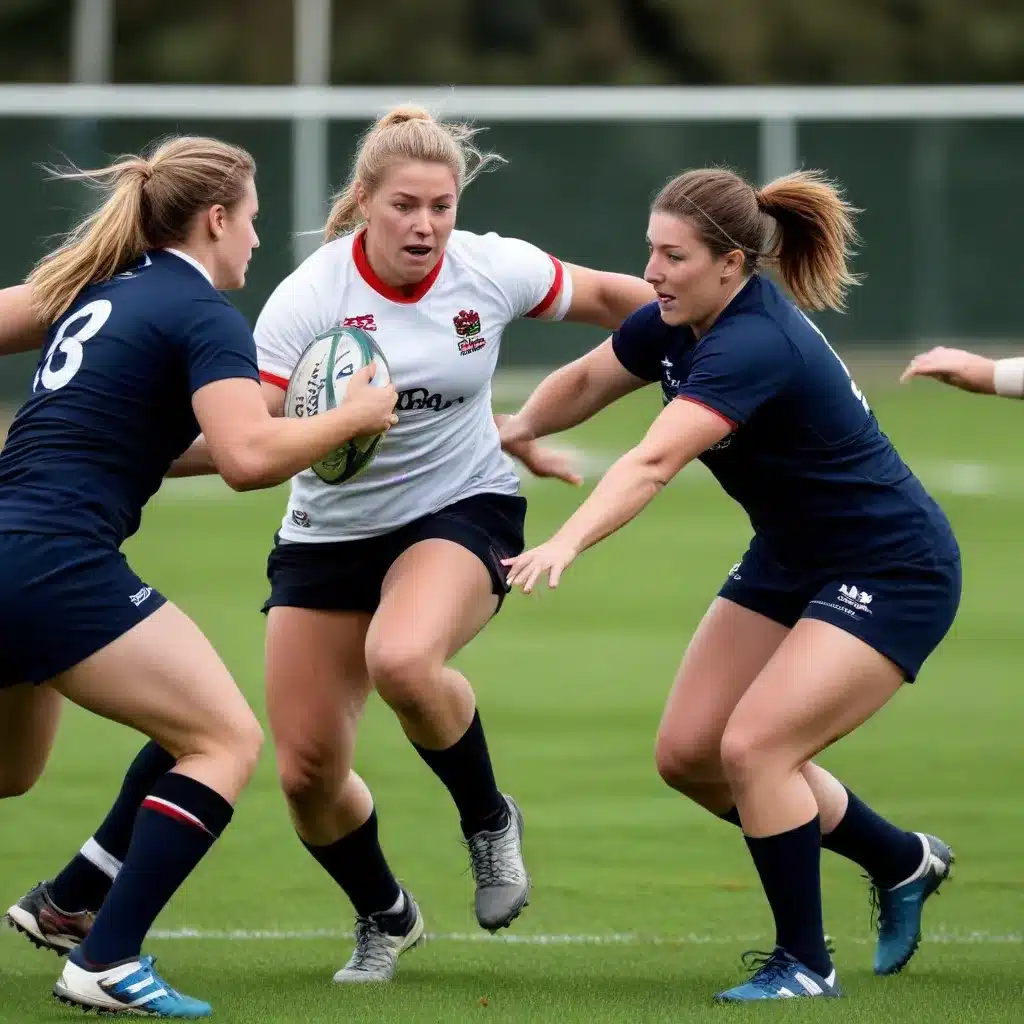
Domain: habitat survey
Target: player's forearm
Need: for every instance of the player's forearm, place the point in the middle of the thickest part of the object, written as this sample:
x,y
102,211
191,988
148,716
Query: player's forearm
x,y
562,400
622,493
196,461
278,448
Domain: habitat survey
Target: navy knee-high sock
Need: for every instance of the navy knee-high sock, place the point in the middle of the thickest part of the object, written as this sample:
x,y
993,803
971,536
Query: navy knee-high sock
x,y
357,863
176,825
466,771
86,879
790,868
887,853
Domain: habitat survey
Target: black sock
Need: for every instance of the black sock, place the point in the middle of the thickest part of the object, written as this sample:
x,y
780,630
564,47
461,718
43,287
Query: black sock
x,y
790,868
465,769
177,823
84,882
356,862
887,853
732,816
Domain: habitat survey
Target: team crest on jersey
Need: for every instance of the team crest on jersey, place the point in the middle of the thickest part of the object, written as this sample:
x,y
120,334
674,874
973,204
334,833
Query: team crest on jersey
x,y
467,327
364,322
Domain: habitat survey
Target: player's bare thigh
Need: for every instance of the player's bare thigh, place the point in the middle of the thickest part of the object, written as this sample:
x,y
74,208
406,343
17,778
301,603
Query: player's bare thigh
x,y
820,685
164,678
729,649
436,597
316,687
29,716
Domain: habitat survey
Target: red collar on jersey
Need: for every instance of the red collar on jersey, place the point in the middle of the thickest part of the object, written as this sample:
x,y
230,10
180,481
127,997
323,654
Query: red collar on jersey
x,y
413,293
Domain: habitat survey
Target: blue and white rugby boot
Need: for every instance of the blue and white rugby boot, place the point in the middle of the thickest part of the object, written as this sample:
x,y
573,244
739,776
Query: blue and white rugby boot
x,y
777,975
897,911
131,987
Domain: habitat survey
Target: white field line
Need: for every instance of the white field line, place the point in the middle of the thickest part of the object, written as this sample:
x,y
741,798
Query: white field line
x,y
956,938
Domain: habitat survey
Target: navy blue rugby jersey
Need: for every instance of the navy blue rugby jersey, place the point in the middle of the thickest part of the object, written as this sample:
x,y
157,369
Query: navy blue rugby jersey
x,y
110,405
806,459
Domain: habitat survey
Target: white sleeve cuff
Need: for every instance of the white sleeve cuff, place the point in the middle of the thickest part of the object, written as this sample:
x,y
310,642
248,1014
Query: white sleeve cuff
x,y
1009,377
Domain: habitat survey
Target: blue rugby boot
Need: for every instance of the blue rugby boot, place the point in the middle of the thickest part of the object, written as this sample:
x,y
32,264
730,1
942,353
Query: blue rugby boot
x,y
131,987
777,975
897,911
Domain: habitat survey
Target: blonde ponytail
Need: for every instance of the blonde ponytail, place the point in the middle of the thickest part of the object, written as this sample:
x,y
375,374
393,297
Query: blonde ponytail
x,y
149,202
111,237
406,133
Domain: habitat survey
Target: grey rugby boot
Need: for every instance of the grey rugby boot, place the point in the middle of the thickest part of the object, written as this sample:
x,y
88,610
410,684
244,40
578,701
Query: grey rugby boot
x,y
502,884
380,940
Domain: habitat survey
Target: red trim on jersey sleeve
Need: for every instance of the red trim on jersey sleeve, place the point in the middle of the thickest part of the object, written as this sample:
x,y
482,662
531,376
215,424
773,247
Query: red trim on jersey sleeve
x,y
272,378
556,287
408,295
733,425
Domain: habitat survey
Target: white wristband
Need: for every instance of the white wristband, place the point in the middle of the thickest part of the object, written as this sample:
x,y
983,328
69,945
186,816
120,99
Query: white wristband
x,y
1009,377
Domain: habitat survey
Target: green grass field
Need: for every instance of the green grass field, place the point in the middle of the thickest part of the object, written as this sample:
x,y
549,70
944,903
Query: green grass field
x,y
642,904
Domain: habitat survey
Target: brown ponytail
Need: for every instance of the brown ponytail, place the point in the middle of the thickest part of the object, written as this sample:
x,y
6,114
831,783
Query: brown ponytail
x,y
799,223
815,237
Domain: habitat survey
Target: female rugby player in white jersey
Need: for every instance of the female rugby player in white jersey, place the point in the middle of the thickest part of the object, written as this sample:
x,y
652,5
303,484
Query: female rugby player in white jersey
x,y
377,583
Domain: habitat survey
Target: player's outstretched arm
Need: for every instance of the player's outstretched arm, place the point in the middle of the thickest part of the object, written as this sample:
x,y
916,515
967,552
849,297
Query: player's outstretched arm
x,y
604,299
969,372
571,395
20,327
252,449
682,431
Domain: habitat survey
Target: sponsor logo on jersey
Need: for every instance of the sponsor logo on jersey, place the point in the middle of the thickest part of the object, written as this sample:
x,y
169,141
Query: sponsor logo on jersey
x,y
300,518
670,384
421,398
467,327
363,322
142,595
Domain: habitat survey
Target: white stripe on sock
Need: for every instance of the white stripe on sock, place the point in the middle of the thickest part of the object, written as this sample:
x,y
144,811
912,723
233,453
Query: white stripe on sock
x,y
187,815
98,857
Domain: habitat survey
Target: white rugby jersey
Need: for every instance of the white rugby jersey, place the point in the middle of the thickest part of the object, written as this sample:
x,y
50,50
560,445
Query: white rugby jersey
x,y
441,342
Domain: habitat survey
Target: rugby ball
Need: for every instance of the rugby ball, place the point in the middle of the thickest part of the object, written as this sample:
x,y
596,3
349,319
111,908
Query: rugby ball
x,y
318,383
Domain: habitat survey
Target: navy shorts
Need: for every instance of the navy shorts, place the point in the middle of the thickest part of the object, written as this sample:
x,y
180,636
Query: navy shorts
x,y
348,575
63,598
902,612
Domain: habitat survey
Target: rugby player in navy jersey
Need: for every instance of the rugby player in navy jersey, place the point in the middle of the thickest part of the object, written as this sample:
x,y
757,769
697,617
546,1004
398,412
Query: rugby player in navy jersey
x,y
852,577
143,351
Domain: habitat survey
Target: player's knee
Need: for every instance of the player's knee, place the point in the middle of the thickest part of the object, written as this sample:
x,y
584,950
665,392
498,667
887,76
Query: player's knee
x,y
17,780
250,743
307,772
237,743
744,752
684,762
401,672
